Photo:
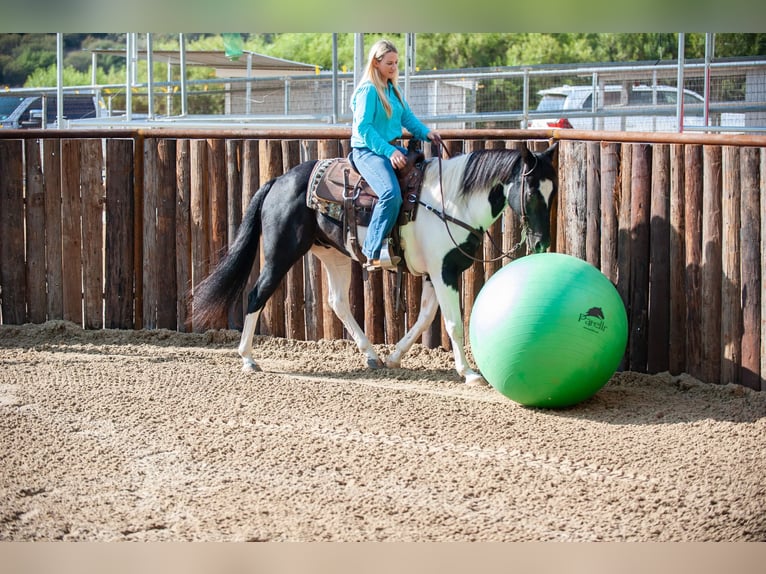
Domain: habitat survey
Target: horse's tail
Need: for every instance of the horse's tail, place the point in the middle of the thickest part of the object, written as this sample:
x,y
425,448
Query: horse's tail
x,y
213,297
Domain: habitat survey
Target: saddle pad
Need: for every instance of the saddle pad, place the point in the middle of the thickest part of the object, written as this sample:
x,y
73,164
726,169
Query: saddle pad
x,y
332,182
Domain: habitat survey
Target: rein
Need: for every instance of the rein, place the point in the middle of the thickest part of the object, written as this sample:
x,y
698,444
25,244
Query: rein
x,y
447,218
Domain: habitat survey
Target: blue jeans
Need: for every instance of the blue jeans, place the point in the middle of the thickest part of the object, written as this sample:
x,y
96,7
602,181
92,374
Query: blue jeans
x,y
379,173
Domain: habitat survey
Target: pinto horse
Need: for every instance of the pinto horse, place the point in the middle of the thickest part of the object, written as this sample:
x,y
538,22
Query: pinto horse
x,y
460,198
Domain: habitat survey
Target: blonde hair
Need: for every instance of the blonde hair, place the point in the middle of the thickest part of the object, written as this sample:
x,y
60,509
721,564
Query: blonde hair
x,y
378,50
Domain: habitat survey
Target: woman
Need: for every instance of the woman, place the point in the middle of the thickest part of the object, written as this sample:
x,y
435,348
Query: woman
x,y
380,112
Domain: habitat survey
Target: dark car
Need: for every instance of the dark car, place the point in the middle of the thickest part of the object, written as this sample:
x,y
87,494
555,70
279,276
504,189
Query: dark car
x,y
19,112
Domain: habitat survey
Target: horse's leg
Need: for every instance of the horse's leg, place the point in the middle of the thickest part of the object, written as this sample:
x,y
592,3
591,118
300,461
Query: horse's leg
x,y
338,269
267,282
245,349
428,306
449,303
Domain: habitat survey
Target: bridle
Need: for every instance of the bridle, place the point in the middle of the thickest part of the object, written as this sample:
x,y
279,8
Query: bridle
x,y
446,218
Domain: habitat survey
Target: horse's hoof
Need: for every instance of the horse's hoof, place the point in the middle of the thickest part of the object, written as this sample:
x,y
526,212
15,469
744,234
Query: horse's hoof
x,y
251,368
375,363
393,364
476,381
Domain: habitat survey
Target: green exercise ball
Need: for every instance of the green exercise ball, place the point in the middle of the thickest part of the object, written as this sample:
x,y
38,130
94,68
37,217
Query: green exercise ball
x,y
548,330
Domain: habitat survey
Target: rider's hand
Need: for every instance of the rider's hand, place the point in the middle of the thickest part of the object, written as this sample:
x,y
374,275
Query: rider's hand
x,y
398,159
435,137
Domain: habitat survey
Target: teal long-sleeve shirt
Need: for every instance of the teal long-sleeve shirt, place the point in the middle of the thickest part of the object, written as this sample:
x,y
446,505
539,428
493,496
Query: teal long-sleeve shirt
x,y
373,129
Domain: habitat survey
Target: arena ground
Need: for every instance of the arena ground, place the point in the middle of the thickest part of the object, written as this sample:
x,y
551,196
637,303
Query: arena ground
x,y
158,436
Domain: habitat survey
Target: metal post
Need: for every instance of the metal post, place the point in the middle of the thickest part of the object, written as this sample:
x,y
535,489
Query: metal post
x,y
358,57
149,76
654,97
182,52
169,96
708,58
59,85
409,63
288,85
128,77
594,99
334,78
134,57
93,68
248,85
680,87
525,101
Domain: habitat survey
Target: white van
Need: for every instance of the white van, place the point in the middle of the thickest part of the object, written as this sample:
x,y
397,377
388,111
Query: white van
x,y
614,107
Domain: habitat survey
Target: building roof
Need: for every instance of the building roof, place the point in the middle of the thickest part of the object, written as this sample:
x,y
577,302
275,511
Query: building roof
x,y
261,65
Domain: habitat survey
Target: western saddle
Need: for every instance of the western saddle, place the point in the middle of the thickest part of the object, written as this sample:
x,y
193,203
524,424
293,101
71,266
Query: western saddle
x,y
338,190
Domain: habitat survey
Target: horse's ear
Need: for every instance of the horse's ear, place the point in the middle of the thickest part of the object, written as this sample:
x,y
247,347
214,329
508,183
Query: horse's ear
x,y
551,149
525,153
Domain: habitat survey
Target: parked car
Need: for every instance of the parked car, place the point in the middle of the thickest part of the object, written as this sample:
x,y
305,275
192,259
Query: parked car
x,y
617,106
19,112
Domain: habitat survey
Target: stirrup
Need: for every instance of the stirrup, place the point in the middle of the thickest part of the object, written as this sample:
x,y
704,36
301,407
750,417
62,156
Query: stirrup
x,y
388,261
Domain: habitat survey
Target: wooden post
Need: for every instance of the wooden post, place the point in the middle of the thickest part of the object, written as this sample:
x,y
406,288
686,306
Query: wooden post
x,y
762,195
165,265
183,235
575,210
561,200
333,328
711,264
312,271
493,242
639,261
12,268
693,189
35,223
610,196
374,317
138,225
234,215
217,205
624,243
731,284
394,311
593,204
149,233
53,253
119,264
200,247
71,210
658,328
295,307
473,278
273,316
455,148
92,194
677,318
750,268
251,178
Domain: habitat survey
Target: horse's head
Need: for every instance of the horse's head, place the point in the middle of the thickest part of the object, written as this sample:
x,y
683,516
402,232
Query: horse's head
x,y
537,185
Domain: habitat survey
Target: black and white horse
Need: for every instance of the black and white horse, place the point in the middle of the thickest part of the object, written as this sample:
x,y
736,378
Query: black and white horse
x,y
462,196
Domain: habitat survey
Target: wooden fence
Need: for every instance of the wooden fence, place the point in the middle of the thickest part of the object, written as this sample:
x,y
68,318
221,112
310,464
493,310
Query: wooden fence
x,y
114,231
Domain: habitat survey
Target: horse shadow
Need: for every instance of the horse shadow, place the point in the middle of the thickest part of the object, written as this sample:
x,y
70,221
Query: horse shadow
x,y
628,398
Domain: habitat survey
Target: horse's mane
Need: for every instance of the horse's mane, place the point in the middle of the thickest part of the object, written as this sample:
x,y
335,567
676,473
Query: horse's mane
x,y
484,168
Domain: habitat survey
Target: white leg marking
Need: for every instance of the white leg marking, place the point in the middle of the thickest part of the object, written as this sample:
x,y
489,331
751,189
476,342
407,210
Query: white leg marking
x,y
338,269
246,343
428,306
449,303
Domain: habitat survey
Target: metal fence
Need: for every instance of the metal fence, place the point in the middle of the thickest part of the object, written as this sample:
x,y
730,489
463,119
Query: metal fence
x,y
722,96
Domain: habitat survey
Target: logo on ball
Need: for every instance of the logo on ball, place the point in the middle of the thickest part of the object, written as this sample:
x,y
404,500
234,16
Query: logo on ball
x,y
593,319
